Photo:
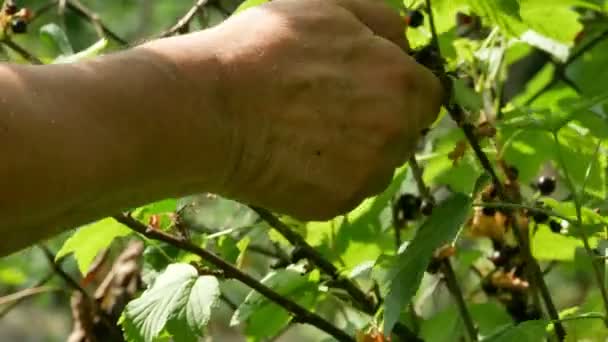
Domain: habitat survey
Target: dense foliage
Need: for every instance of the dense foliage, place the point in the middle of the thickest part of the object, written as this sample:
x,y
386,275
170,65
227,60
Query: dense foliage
x,y
494,232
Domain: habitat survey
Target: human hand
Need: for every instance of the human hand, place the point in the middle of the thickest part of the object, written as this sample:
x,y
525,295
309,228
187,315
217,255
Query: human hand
x,y
323,101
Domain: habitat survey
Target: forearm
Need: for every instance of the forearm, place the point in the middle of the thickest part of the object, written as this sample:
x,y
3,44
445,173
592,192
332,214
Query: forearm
x,y
81,141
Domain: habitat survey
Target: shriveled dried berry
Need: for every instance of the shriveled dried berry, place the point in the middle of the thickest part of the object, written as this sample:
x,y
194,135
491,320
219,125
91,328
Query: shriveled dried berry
x,y
10,8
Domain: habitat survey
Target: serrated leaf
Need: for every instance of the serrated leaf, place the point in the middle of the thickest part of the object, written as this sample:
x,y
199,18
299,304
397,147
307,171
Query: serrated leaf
x,y
528,331
263,317
404,277
53,35
91,239
187,323
179,300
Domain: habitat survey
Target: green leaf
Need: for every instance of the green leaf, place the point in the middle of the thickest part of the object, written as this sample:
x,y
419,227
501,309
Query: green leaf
x,y
265,318
528,331
249,4
487,317
466,96
179,300
54,36
503,13
547,245
91,239
92,51
558,22
161,207
408,269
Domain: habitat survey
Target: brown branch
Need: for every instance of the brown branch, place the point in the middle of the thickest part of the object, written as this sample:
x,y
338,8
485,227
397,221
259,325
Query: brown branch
x,y
361,299
14,304
61,273
25,293
85,13
456,292
592,43
424,190
366,303
456,112
42,10
184,22
300,314
21,51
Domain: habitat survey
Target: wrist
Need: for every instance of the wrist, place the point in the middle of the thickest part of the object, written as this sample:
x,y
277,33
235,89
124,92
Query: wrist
x,y
201,133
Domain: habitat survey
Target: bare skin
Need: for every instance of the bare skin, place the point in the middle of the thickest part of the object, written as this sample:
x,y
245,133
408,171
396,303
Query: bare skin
x,y
303,107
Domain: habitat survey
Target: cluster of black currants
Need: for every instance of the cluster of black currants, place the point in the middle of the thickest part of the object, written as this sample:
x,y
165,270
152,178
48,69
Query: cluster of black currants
x,y
545,185
18,17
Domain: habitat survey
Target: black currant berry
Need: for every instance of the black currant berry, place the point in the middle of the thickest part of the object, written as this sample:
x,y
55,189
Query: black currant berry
x,y
408,206
555,226
488,211
540,217
19,26
415,18
546,185
426,208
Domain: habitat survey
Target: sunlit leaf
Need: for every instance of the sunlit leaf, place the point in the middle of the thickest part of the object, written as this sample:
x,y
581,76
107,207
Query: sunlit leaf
x,y
91,239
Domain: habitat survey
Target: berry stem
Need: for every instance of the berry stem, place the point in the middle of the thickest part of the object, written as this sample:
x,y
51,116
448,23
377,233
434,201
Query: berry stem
x,y
597,272
456,292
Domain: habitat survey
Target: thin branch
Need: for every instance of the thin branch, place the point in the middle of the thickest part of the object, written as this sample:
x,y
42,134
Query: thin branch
x,y
21,51
424,190
42,10
301,314
456,112
366,302
597,272
25,293
446,269
454,288
232,305
184,22
61,273
592,43
14,304
93,18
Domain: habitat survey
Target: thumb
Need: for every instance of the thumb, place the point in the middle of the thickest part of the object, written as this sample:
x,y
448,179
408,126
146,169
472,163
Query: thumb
x,y
380,18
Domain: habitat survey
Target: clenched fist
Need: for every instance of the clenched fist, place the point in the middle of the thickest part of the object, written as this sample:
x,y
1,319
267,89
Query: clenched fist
x,y
325,101
320,99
